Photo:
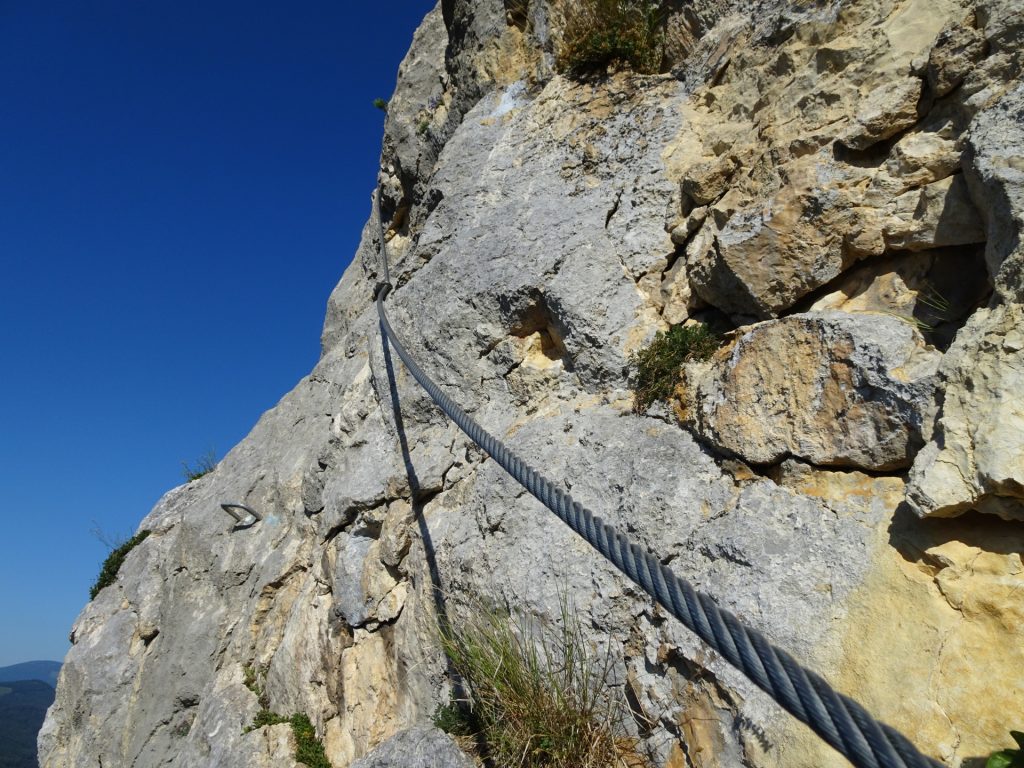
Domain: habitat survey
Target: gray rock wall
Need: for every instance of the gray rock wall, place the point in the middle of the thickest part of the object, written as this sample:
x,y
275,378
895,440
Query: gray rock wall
x,y
836,187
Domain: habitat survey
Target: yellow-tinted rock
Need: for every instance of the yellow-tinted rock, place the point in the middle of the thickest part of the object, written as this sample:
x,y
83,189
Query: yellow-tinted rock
x,y
934,643
370,689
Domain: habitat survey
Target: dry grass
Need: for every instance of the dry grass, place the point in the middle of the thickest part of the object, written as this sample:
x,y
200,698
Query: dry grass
x,y
206,464
537,695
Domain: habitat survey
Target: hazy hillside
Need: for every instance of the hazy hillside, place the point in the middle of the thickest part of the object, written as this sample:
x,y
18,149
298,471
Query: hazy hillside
x,y
23,705
46,671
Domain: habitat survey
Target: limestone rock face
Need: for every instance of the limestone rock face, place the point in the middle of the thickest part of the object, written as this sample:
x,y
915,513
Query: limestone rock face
x,y
976,460
830,388
835,187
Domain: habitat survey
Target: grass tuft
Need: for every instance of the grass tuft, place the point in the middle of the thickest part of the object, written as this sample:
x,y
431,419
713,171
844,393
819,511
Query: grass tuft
x,y
537,696
602,33
454,718
655,369
204,466
252,680
112,565
265,717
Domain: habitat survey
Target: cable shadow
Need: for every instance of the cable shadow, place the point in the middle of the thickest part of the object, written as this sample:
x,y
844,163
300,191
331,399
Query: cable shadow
x,y
417,498
416,495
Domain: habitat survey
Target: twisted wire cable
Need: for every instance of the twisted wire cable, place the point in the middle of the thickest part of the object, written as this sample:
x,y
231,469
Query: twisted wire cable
x,y
837,719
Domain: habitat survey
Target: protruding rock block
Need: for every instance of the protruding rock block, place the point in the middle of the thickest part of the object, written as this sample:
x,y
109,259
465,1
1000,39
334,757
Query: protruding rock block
x,y
957,50
886,111
976,457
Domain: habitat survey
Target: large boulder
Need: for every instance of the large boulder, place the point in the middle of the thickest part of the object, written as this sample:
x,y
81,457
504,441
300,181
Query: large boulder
x,y
830,388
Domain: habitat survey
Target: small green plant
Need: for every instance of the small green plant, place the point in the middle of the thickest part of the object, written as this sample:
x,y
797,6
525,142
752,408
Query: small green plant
x,y
110,540
111,566
655,369
182,729
309,750
381,104
537,695
602,33
204,466
423,127
252,677
1009,758
454,718
935,301
921,325
931,311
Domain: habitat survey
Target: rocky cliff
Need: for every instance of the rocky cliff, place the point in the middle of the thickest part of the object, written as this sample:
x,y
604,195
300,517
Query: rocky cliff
x,y
838,187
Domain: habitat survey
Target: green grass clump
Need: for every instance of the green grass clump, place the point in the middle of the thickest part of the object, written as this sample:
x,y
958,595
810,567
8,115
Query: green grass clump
x,y
308,748
1009,758
455,719
381,104
250,679
111,566
655,369
602,33
265,717
538,697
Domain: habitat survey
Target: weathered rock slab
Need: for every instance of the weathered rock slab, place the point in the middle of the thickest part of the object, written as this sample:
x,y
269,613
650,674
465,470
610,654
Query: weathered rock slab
x,y
957,49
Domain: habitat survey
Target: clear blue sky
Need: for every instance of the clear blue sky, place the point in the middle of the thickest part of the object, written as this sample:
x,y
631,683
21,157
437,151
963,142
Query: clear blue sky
x,y
182,183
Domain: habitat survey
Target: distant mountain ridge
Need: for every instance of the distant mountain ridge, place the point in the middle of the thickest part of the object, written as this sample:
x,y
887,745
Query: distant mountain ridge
x,y
46,671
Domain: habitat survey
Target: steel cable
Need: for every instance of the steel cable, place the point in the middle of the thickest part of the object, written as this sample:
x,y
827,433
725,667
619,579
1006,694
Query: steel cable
x,y
840,721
